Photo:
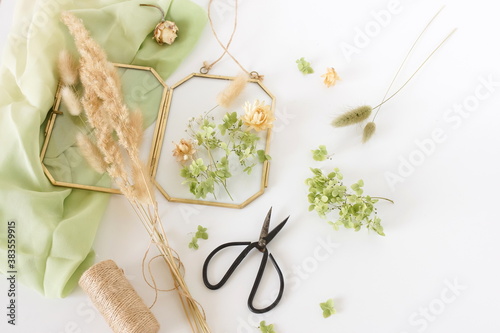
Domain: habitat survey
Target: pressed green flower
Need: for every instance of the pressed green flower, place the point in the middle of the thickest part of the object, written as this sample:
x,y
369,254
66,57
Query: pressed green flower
x,y
327,308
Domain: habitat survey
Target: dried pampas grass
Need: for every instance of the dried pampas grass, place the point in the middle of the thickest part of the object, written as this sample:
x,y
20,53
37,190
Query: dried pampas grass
x,y
232,91
117,133
91,153
71,101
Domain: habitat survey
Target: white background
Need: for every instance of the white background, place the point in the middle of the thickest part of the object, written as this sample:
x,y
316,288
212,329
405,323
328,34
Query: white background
x,y
442,229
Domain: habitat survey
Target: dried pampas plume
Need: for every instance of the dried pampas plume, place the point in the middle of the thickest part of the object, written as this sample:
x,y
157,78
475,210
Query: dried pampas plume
x,y
68,68
368,131
104,106
232,91
71,101
117,133
91,152
353,116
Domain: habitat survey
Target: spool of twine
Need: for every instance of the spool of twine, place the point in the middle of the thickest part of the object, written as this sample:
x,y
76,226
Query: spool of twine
x,y
117,301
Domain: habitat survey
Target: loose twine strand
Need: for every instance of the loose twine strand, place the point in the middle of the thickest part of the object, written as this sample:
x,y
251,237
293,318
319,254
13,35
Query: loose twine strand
x,y
208,66
191,307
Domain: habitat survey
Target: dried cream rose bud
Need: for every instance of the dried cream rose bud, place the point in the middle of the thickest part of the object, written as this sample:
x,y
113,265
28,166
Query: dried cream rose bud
x,y
165,32
184,150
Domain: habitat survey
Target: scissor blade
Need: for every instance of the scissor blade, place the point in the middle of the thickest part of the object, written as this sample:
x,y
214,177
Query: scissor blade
x,y
275,231
265,226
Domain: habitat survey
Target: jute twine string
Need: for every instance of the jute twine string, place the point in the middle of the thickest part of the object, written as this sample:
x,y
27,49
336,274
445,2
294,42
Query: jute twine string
x,y
116,299
208,66
151,281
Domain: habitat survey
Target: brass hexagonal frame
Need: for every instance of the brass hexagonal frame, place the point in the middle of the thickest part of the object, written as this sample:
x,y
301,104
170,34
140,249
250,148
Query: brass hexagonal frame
x,y
158,148
157,141
55,112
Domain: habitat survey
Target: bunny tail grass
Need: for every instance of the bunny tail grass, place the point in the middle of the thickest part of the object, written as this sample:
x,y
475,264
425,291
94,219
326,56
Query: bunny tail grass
x,y
368,131
353,116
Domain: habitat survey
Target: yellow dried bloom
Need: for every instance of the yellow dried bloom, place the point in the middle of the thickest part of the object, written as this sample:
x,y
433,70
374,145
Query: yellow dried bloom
x,y
165,32
258,116
331,77
184,150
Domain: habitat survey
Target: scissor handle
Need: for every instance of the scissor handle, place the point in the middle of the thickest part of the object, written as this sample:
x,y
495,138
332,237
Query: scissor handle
x,y
231,269
258,278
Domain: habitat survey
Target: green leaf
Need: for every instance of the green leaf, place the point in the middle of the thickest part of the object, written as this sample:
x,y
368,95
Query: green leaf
x,y
304,66
328,308
194,244
261,154
320,154
266,328
202,233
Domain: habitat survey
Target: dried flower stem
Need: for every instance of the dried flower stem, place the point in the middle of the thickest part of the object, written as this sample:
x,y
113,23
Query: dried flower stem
x,y
418,69
162,13
108,115
406,58
382,198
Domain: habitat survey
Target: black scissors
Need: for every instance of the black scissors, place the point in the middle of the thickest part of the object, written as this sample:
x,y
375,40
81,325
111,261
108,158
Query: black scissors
x,y
264,239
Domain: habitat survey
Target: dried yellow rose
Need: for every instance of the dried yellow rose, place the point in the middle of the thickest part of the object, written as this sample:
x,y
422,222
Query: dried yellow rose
x,y
331,77
258,116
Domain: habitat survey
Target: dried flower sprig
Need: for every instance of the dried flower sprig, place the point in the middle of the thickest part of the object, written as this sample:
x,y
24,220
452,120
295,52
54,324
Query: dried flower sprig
x,y
201,233
217,143
116,135
327,193
361,113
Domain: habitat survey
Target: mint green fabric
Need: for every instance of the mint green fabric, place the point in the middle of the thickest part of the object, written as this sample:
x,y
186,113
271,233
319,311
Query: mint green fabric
x,y
56,226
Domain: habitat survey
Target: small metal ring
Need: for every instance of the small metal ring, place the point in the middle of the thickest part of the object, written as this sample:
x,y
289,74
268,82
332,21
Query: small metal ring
x,y
254,75
204,70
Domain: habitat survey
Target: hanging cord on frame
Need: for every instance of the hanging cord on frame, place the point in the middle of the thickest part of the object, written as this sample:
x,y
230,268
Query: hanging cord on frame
x,y
208,66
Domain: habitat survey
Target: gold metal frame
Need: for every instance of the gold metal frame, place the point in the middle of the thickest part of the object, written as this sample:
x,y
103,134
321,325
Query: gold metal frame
x,y
265,166
158,137
55,112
